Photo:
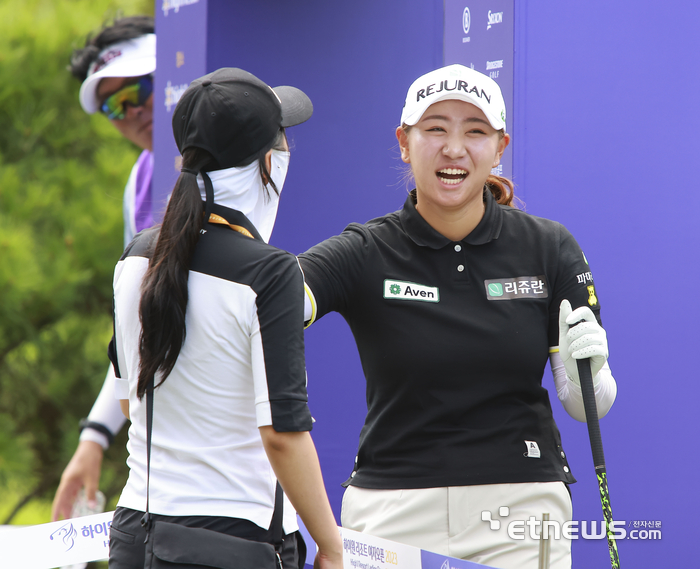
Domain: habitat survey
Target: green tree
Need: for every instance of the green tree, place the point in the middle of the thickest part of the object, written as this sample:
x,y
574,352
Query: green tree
x,y
62,175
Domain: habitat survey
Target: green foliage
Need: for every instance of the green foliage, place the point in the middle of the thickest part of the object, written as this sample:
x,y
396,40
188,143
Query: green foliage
x,y
62,175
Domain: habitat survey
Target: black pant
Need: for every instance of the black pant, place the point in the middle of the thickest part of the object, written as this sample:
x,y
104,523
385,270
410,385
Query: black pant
x,y
127,549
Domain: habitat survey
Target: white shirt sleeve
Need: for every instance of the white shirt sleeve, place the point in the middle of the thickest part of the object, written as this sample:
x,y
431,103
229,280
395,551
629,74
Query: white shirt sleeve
x,y
570,395
106,411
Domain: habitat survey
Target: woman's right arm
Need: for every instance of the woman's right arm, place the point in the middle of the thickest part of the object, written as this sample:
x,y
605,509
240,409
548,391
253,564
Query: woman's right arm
x,y
295,462
331,270
85,466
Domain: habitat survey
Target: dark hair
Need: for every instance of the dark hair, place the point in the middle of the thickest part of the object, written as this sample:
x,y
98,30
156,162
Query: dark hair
x,y
121,29
164,291
260,155
501,188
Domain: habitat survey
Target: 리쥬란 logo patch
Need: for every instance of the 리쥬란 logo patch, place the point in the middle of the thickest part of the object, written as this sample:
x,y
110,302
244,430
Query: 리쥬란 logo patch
x,y
516,287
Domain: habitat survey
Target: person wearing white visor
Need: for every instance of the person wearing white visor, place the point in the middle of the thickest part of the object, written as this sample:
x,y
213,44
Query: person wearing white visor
x,y
456,301
116,67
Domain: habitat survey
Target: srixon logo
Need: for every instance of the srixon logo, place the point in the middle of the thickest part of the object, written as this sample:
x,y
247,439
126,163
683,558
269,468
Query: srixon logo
x,y
494,18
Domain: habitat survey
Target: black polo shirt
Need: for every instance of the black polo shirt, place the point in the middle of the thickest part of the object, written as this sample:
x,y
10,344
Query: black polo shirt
x,y
453,339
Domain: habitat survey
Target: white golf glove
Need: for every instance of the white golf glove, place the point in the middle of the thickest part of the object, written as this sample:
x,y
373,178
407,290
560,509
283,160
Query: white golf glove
x,y
584,340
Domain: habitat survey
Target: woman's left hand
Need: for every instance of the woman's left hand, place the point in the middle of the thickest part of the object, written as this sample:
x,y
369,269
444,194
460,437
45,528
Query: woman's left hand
x,y
580,337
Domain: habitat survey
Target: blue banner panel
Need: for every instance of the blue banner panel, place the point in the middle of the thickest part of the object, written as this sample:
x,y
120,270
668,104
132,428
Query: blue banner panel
x,y
479,34
181,57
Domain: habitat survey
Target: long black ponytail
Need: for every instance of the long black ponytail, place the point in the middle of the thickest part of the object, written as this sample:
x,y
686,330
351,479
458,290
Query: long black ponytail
x,y
164,292
164,288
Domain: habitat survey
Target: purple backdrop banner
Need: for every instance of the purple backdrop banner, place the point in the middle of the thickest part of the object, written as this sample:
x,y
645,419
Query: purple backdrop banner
x,y
181,56
479,34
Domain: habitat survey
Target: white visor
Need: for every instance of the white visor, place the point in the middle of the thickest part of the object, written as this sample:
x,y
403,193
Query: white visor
x,y
131,58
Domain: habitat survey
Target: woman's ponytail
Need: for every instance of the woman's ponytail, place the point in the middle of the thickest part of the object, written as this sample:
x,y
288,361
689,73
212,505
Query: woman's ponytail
x,y
164,289
502,189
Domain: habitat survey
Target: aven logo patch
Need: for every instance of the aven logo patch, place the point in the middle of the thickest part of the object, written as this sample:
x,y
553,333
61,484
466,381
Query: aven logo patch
x,y
402,290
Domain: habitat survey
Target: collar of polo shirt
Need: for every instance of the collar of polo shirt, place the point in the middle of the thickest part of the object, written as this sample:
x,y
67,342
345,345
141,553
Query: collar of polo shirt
x,y
423,234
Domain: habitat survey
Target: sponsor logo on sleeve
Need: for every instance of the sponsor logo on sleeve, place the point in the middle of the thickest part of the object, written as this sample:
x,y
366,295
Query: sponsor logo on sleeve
x,y
516,287
583,278
402,290
592,299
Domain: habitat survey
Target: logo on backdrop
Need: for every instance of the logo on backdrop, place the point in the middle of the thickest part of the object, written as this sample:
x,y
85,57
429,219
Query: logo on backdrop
x,y
173,94
494,68
175,5
66,534
466,20
494,18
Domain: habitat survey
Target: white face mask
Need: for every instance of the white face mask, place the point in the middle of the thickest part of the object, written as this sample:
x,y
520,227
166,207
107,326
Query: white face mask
x,y
279,164
243,189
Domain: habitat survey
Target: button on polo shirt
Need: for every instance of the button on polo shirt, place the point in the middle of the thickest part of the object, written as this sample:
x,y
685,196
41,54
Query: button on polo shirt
x,y
453,339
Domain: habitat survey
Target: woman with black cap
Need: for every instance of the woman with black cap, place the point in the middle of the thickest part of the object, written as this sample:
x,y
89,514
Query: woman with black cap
x,y
209,313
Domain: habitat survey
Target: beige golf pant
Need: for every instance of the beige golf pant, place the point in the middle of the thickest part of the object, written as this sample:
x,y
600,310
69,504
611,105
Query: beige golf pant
x,y
449,521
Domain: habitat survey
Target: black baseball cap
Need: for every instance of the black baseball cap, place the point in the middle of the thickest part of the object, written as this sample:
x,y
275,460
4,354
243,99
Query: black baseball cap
x,y
232,114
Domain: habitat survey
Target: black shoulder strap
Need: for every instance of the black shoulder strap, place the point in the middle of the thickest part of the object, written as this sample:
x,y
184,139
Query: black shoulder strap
x,y
146,519
276,524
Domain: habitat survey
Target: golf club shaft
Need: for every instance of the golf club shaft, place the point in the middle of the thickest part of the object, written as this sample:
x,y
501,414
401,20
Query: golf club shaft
x,y
591,409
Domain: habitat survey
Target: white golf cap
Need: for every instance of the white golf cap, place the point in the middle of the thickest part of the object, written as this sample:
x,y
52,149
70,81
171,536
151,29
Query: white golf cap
x,y
455,82
130,58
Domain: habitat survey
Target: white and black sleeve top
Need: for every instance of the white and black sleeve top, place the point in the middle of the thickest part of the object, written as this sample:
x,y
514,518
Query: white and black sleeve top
x,y
241,367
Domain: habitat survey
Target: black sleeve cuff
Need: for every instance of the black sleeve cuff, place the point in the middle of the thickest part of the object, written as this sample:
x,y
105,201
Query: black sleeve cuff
x,y
99,427
291,416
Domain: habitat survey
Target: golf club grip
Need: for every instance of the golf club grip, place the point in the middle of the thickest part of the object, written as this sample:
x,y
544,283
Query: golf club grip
x,y
591,409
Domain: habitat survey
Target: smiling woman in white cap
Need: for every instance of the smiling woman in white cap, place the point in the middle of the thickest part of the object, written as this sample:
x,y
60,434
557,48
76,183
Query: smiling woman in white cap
x,y
455,302
212,315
